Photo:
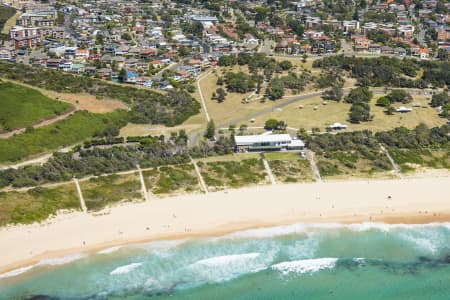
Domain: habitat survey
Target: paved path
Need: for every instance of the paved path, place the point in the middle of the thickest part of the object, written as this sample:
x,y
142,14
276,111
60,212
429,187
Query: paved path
x,y
310,157
269,171
394,165
202,98
80,195
144,188
200,177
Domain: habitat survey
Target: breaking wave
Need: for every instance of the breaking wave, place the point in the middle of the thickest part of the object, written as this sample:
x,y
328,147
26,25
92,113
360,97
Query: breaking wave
x,y
125,269
305,265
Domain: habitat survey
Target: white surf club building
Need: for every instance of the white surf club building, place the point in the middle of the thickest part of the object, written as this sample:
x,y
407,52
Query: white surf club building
x,y
267,142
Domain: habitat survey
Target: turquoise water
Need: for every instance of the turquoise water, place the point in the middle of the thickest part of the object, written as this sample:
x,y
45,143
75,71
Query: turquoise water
x,y
362,261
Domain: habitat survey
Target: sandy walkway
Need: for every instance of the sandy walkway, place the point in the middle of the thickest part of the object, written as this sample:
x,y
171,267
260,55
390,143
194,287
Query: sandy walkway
x,y
417,200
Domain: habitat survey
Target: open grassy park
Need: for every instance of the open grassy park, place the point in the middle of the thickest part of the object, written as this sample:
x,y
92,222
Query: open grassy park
x,y
22,107
315,113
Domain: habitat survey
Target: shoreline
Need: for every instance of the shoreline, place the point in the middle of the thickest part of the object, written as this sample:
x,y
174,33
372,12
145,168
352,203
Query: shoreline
x,y
413,201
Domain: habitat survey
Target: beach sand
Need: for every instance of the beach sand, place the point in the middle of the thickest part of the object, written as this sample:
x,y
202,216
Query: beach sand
x,y
412,200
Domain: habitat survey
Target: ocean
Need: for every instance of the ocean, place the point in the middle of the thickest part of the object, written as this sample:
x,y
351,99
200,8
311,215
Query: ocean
x,y
323,261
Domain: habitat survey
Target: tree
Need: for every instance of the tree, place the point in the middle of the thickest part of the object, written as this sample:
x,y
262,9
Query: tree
x,y
360,112
304,57
275,90
210,130
383,101
360,94
399,96
220,92
334,93
302,134
122,75
271,124
285,65
440,99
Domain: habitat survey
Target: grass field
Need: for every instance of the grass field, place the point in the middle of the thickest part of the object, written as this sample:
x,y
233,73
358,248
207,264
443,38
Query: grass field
x,y
233,173
6,12
81,101
105,191
22,107
172,180
307,117
289,167
411,160
74,129
37,204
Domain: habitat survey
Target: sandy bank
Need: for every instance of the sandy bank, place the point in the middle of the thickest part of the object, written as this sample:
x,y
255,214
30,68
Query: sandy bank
x,y
417,200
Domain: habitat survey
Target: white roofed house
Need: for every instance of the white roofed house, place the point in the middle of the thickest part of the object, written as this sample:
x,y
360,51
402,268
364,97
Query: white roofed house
x,y
266,142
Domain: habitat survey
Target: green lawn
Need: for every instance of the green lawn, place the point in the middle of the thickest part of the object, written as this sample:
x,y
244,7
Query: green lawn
x,y
74,129
104,191
22,106
37,204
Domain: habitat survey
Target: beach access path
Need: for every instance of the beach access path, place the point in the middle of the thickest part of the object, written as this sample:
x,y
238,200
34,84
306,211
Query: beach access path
x,y
418,200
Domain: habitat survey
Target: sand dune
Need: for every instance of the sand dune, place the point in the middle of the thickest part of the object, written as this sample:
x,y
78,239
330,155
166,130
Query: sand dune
x,y
415,200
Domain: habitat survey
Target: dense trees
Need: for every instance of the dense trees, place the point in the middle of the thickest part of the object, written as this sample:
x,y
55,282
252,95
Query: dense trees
x,y
386,71
399,96
239,82
359,94
275,90
360,109
419,137
150,151
194,28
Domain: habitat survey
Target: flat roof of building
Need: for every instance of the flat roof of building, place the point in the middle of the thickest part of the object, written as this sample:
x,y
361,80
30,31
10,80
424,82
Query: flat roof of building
x,y
242,140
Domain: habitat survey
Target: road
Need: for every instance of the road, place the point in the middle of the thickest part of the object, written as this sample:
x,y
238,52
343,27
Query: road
x,y
346,47
266,47
68,26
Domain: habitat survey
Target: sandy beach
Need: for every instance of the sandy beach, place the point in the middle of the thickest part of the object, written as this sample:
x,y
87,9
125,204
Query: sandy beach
x,y
413,200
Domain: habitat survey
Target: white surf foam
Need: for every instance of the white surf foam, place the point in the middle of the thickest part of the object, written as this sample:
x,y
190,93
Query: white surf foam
x,y
60,260
109,250
227,267
226,259
268,232
16,272
305,265
125,269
